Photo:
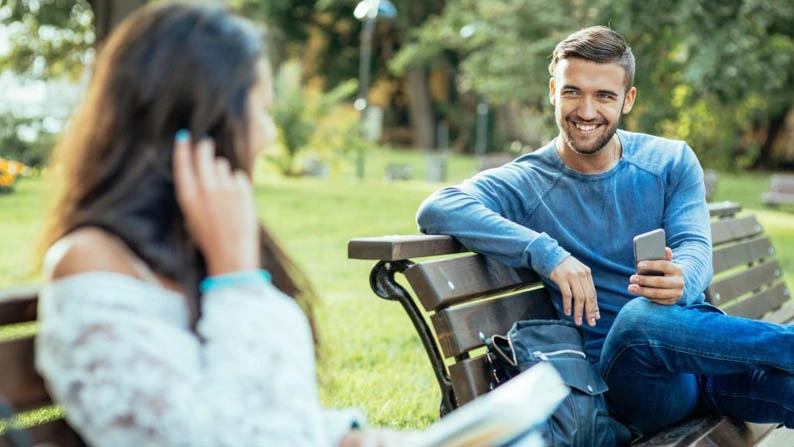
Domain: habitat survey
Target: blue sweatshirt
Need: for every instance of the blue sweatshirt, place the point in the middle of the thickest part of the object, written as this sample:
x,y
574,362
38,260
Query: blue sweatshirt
x,y
535,211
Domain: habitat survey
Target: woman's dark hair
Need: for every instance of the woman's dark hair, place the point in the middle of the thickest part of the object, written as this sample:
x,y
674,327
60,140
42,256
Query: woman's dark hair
x,y
165,68
599,44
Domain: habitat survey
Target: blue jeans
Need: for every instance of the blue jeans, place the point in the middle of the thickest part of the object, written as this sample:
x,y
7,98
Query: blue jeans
x,y
664,362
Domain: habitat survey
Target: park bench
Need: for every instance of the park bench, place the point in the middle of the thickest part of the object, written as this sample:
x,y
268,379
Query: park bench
x,y
20,384
781,190
710,178
455,298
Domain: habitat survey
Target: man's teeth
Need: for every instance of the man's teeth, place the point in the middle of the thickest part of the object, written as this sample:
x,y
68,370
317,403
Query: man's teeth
x,y
585,128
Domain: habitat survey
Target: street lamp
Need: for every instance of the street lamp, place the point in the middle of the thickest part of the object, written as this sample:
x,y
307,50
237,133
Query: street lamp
x,y
367,11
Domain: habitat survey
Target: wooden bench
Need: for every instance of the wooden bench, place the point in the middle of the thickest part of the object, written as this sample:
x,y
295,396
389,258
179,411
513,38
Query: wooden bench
x,y
781,190
20,384
455,298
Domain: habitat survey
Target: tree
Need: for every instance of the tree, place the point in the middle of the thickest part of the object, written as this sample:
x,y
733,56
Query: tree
x,y
714,73
294,22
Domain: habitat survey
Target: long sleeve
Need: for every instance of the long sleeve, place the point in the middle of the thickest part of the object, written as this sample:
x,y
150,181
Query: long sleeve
x,y
484,214
119,356
687,224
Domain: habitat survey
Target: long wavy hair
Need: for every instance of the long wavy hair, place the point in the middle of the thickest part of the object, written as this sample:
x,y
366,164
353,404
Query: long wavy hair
x,y
165,68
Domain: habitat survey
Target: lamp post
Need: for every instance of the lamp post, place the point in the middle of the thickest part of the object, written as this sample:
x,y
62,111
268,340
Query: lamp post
x,y
368,12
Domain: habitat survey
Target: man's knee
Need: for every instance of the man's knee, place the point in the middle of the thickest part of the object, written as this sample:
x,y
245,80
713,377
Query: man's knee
x,y
635,317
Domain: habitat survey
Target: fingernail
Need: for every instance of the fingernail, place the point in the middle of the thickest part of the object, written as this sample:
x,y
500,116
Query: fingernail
x,y
182,136
642,265
592,322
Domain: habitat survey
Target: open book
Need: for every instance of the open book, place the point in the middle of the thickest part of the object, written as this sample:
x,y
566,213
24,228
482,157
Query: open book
x,y
506,413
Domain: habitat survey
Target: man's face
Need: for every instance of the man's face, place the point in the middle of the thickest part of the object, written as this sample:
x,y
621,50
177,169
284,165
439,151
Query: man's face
x,y
588,100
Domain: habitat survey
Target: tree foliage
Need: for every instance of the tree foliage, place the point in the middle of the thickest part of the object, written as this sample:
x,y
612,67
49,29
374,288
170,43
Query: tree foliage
x,y
48,38
711,72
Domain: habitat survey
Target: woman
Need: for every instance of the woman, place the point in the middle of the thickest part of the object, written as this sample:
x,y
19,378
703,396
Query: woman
x,y
168,317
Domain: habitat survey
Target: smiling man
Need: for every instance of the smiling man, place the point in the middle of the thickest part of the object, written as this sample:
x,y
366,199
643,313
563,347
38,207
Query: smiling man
x,y
570,211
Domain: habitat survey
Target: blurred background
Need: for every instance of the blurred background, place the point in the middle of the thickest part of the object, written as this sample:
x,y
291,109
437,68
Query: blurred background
x,y
380,102
457,76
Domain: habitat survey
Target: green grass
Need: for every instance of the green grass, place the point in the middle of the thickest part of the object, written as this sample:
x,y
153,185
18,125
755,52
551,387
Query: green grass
x,y
371,356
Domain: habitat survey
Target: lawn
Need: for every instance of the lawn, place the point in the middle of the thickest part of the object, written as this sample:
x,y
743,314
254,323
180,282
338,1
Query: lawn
x,y
370,355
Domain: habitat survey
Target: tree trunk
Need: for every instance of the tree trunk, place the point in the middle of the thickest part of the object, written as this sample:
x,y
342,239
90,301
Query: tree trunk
x,y
109,13
422,119
766,152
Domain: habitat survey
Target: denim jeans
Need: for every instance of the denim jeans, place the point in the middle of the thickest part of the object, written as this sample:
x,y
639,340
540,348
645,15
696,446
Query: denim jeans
x,y
663,362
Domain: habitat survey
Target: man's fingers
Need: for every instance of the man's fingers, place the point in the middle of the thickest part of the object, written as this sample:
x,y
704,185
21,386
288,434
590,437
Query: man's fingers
x,y
565,291
665,267
579,302
658,282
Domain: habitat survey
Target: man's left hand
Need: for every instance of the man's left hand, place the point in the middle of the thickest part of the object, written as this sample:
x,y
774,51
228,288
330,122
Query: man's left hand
x,y
666,289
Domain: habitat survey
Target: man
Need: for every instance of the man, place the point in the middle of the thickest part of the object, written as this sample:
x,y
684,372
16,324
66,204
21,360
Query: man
x,y
570,211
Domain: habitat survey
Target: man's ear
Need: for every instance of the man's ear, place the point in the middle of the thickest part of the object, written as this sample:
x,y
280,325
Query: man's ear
x,y
552,91
628,102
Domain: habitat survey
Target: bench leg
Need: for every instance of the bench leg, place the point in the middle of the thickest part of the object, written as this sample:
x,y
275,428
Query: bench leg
x,y
382,282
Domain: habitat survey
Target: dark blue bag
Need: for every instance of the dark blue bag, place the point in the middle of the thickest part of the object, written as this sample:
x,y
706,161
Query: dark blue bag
x,y
582,419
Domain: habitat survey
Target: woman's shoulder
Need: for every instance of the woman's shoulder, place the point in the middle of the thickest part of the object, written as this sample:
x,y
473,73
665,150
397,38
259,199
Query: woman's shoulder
x,y
84,250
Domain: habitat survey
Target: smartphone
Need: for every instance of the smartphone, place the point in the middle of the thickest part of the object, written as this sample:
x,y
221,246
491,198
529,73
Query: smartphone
x,y
649,247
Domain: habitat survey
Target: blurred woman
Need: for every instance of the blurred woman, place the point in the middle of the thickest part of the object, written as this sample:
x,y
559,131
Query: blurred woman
x,y
170,315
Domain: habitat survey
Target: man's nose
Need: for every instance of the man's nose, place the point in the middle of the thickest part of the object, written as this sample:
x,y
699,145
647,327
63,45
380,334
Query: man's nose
x,y
587,109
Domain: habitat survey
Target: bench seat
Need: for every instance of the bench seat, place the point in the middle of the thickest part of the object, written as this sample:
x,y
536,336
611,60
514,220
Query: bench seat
x,y
456,295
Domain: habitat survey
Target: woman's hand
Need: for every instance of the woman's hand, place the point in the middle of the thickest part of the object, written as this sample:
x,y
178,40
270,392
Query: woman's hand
x,y
218,206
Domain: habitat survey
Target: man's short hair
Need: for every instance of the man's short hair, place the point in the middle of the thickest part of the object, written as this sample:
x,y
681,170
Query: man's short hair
x,y
597,44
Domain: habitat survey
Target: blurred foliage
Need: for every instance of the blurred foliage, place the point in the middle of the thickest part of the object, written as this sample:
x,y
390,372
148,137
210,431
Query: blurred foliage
x,y
48,38
710,72
296,112
14,145
716,73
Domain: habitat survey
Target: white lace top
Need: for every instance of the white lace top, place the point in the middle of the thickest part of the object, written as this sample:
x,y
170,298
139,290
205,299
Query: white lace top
x,y
119,355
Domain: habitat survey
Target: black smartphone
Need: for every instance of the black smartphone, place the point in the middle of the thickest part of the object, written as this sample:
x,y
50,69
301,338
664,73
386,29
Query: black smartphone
x,y
649,247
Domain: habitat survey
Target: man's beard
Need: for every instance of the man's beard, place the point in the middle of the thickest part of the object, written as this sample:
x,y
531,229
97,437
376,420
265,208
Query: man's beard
x,y
590,149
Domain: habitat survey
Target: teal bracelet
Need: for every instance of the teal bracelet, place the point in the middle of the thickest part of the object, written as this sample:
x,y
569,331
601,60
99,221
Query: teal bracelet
x,y
234,279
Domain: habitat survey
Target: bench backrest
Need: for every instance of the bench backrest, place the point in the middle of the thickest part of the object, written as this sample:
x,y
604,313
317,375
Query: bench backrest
x,y
20,384
461,297
782,183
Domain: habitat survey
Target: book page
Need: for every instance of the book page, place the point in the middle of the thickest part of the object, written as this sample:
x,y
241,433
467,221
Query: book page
x,y
504,414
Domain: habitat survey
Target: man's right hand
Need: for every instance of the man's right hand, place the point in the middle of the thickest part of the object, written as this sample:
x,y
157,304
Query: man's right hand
x,y
578,291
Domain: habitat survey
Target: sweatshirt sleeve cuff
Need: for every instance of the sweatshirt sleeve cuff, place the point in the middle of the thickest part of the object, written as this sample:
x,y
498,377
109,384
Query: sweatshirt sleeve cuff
x,y
544,254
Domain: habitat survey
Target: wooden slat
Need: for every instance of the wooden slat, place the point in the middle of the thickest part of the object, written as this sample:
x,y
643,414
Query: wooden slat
x,y
469,379
726,289
782,183
759,304
783,315
723,209
732,229
777,197
733,255
18,304
458,327
448,281
399,247
21,385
